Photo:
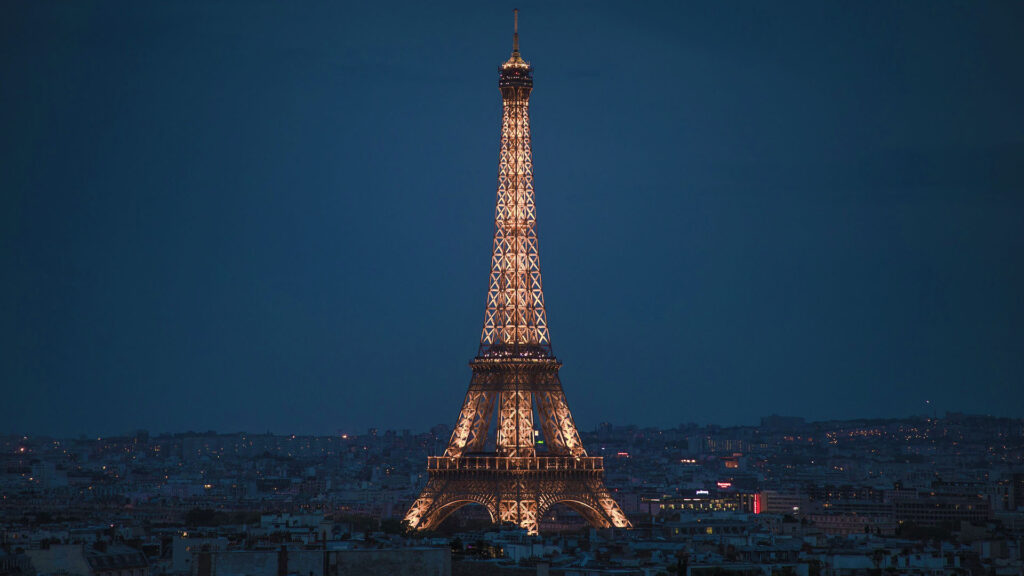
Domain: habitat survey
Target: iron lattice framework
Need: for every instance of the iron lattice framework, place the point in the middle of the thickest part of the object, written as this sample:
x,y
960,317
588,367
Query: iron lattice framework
x,y
515,371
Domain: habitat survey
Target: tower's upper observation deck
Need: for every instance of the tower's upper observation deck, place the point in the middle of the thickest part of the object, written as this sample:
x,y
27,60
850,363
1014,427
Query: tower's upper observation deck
x,y
516,71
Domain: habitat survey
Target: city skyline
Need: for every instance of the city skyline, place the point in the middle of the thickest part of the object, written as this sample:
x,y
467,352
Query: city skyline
x,y
930,496
446,429
278,218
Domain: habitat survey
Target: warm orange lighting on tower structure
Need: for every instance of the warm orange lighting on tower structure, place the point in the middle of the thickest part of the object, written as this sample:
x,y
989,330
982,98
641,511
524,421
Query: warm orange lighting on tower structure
x,y
515,371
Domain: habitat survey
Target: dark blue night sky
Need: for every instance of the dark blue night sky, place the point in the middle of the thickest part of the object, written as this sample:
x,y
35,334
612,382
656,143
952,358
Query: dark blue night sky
x,y
277,215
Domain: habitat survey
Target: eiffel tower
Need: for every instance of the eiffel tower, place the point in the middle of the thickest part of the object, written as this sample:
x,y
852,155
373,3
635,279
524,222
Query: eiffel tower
x,y
515,371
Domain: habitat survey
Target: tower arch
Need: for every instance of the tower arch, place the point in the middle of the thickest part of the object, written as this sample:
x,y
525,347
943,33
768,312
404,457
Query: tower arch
x,y
441,513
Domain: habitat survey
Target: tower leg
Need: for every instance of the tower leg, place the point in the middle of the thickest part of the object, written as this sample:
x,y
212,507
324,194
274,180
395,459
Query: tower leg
x,y
471,430
441,497
611,509
556,420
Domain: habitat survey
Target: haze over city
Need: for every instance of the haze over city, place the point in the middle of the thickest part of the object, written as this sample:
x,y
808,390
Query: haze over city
x,y
277,216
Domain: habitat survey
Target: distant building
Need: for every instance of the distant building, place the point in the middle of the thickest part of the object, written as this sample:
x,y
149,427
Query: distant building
x,y
78,560
776,422
1018,490
934,510
708,503
46,475
356,562
850,524
14,564
793,503
184,548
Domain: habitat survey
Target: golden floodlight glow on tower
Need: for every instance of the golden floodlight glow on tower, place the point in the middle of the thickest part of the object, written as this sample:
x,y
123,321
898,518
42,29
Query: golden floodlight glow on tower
x,y
515,372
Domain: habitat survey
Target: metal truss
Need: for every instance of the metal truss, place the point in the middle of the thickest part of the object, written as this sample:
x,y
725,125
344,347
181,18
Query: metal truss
x,y
515,372
515,316
470,432
515,434
515,490
559,429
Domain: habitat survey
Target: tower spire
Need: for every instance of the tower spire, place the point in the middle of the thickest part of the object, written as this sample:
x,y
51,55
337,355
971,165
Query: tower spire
x,y
515,61
515,30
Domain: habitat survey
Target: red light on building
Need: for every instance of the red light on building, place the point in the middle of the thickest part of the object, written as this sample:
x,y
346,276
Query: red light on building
x,y
757,503
623,454
724,485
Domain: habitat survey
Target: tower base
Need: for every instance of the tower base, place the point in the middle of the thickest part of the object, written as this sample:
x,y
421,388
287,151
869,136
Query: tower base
x,y
517,490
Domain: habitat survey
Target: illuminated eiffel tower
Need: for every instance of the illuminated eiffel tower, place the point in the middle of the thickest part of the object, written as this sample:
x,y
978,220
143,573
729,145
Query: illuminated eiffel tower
x,y
515,371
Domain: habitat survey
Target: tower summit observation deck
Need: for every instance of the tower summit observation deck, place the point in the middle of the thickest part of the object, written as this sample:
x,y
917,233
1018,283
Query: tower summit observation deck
x,y
515,373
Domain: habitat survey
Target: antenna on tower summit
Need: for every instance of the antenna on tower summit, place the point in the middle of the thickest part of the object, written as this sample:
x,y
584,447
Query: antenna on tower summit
x,y
515,30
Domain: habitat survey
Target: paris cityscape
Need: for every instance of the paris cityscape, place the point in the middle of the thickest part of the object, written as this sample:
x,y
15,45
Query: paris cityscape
x,y
919,495
238,295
